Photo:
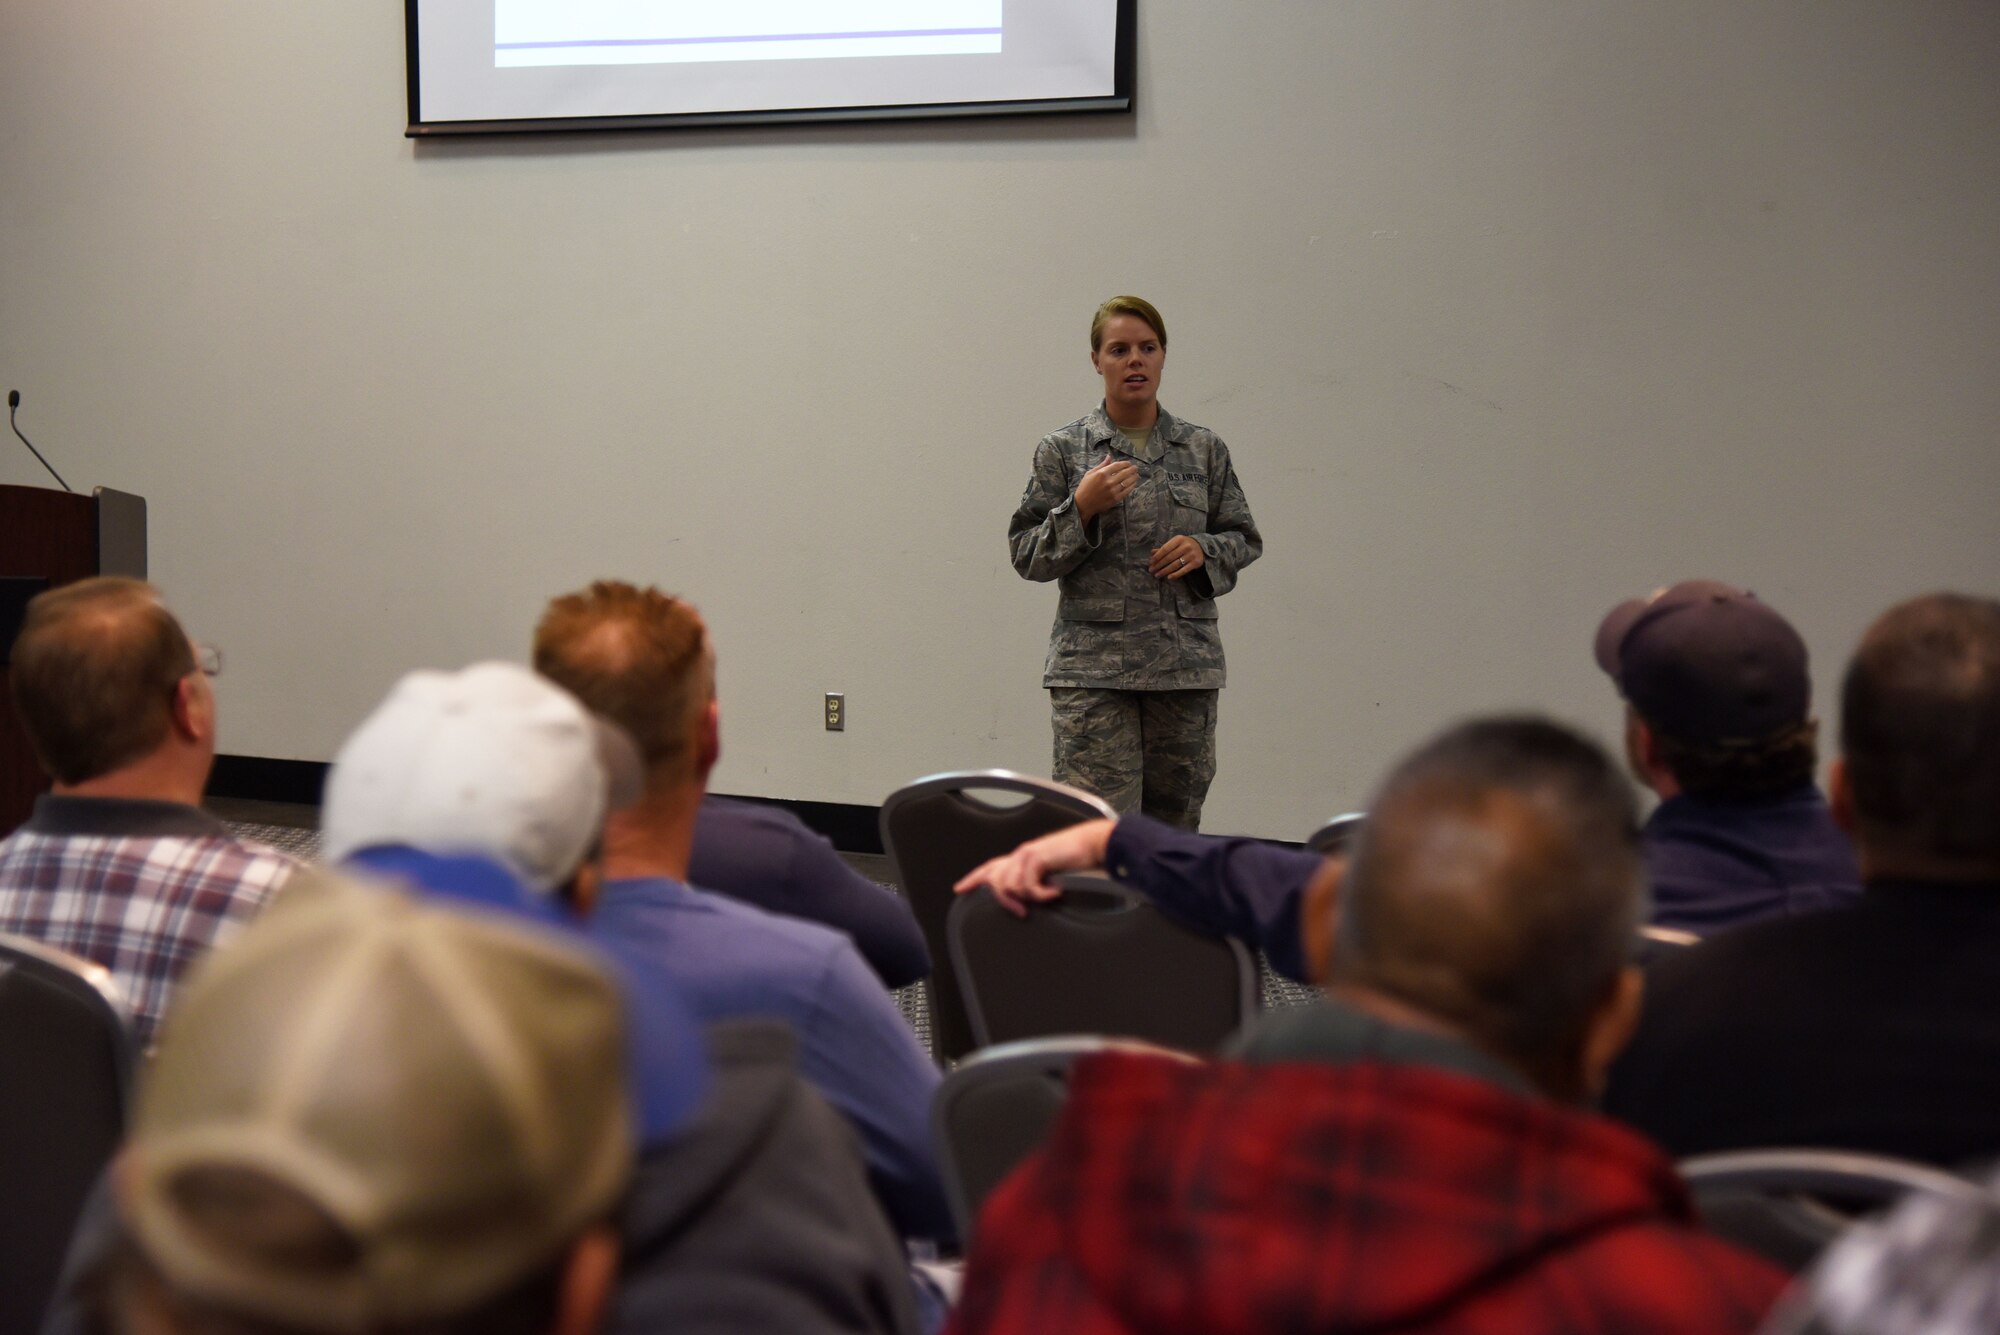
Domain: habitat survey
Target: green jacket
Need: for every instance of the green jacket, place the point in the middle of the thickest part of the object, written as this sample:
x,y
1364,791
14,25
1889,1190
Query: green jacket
x,y
1118,627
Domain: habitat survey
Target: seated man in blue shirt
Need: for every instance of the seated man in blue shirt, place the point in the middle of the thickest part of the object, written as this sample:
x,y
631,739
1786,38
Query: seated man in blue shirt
x,y
643,660
1719,724
757,853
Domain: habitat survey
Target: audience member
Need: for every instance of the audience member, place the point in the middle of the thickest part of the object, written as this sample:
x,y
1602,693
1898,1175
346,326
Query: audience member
x,y
490,786
470,1182
643,660
1741,833
750,851
1409,1155
1718,723
769,858
1878,1027
118,864
491,760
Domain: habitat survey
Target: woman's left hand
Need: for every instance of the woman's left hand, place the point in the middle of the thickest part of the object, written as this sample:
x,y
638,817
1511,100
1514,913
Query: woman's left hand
x,y
1177,558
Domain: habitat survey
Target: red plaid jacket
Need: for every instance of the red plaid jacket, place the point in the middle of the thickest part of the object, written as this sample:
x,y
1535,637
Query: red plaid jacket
x,y
1232,1199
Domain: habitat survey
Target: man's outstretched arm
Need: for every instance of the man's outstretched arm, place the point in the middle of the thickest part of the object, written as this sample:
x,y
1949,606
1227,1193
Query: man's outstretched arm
x,y
1276,899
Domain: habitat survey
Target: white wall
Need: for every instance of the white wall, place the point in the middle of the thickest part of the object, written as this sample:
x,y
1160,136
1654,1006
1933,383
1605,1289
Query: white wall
x,y
1507,311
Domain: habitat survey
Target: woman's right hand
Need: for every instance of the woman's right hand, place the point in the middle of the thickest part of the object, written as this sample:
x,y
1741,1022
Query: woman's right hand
x,y
1105,486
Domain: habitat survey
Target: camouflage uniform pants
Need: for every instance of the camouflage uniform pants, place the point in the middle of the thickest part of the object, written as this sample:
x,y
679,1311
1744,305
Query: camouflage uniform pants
x,y
1150,751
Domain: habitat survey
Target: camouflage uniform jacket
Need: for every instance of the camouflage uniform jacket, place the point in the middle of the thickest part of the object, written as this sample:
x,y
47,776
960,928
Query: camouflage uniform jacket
x,y
1118,627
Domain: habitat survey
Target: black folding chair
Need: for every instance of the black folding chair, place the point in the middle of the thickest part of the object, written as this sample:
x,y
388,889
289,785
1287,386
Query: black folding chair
x,y
939,828
1100,960
1336,834
65,1073
1787,1205
997,1107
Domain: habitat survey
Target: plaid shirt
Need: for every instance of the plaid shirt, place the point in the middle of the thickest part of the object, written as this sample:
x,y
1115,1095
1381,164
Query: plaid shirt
x,y
1308,1197
1931,1266
143,888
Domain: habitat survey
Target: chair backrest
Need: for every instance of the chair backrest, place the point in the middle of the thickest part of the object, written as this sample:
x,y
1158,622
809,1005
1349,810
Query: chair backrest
x,y
1100,960
1788,1204
939,828
1337,833
997,1107
1658,943
65,1072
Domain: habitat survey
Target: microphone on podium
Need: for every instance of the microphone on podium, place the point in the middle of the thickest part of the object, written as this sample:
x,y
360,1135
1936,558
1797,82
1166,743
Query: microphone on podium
x,y
14,402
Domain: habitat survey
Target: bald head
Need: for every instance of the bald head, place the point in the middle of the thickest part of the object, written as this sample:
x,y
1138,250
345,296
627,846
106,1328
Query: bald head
x,y
1920,738
1496,887
94,673
638,657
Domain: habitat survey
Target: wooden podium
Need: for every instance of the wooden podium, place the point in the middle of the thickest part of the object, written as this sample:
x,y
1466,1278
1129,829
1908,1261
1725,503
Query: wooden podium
x,y
47,538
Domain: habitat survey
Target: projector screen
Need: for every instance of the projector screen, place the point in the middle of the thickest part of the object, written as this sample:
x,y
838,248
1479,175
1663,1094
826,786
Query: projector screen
x,y
501,66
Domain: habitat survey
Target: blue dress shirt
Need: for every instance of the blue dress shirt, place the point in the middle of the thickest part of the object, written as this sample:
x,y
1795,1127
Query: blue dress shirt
x,y
732,961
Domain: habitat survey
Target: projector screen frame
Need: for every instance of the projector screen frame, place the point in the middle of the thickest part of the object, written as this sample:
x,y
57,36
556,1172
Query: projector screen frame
x,y
1119,101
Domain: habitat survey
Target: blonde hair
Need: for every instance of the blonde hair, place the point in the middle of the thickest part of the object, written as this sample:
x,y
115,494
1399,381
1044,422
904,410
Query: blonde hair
x,y
1138,306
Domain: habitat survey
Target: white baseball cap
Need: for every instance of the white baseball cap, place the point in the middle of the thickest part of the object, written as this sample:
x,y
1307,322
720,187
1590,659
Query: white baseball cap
x,y
492,760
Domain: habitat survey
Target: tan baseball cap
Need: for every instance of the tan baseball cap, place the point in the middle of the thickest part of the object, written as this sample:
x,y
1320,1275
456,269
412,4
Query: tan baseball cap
x,y
439,1094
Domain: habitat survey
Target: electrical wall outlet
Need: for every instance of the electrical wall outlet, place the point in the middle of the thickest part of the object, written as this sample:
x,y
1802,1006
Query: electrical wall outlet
x,y
836,712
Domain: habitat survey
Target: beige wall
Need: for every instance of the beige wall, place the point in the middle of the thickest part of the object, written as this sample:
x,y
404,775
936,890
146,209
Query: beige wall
x,y
1507,311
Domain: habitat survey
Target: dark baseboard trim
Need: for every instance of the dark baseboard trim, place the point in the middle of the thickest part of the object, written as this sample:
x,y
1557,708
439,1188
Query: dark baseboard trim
x,y
852,827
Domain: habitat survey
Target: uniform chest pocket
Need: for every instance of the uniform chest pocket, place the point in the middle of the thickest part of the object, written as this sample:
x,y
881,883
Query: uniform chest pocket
x,y
1192,494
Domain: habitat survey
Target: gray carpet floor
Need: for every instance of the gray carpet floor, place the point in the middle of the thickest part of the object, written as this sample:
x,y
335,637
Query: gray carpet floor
x,y
295,831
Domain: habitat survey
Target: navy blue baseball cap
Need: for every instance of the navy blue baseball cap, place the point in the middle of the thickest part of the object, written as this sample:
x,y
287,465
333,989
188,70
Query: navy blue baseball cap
x,y
1707,662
